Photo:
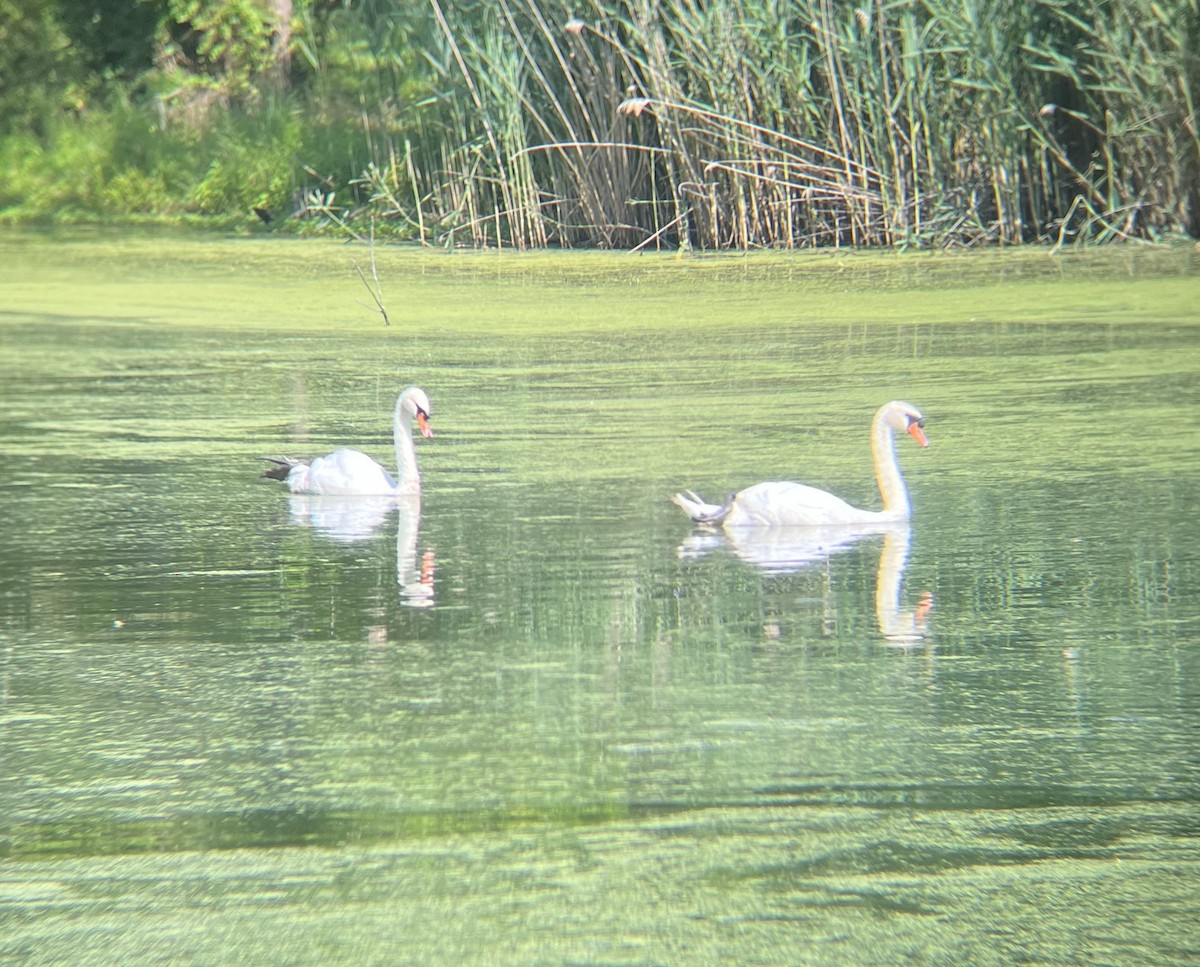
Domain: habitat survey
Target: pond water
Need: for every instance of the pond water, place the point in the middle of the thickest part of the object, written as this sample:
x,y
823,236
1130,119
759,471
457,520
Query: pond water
x,y
543,720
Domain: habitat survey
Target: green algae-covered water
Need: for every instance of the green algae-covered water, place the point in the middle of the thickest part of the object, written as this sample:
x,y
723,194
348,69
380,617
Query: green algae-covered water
x,y
544,720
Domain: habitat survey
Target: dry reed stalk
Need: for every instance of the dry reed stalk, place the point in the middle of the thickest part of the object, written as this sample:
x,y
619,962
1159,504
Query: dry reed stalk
x,y
799,122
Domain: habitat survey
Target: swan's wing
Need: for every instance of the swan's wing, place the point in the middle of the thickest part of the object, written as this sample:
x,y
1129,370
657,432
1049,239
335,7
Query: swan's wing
x,y
346,472
782,503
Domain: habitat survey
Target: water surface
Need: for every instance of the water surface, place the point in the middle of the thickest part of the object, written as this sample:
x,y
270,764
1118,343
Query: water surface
x,y
544,721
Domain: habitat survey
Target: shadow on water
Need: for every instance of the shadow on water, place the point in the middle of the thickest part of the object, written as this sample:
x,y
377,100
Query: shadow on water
x,y
320,826
889,858
953,796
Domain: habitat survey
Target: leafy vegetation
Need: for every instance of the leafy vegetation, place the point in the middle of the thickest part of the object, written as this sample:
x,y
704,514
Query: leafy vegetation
x,y
527,123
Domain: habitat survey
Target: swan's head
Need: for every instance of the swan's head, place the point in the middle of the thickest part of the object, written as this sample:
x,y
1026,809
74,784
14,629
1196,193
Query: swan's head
x,y
415,405
905,418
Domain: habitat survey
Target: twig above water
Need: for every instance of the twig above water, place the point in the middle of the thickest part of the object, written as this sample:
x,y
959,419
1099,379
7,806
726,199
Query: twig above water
x,y
376,290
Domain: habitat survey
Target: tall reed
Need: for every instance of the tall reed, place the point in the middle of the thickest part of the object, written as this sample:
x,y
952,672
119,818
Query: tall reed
x,y
747,123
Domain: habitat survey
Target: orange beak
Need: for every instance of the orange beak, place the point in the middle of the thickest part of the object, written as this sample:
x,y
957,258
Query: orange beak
x,y
423,424
915,431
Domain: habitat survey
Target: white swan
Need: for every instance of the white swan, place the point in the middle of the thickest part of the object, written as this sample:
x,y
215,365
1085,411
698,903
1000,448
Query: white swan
x,y
786,504
352,473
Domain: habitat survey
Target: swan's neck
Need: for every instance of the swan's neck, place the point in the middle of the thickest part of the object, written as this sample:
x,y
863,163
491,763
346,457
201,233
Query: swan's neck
x,y
887,472
408,478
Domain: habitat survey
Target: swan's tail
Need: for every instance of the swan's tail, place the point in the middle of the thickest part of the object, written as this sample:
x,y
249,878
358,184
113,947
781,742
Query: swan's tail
x,y
282,466
699,511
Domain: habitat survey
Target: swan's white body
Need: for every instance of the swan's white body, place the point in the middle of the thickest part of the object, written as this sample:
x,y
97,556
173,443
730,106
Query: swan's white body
x,y
351,473
785,504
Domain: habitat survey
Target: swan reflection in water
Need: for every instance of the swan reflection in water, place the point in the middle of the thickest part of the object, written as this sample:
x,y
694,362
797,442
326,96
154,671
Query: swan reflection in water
x,y
785,550
348,520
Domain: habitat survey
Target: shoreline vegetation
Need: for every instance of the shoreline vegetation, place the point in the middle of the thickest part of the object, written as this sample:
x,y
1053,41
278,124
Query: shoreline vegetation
x,y
635,125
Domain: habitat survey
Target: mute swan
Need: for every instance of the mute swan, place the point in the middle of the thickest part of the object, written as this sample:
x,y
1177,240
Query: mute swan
x,y
348,472
785,504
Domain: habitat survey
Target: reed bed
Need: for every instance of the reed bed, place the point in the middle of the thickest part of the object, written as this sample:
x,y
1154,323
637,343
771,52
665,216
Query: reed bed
x,y
705,124
792,123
